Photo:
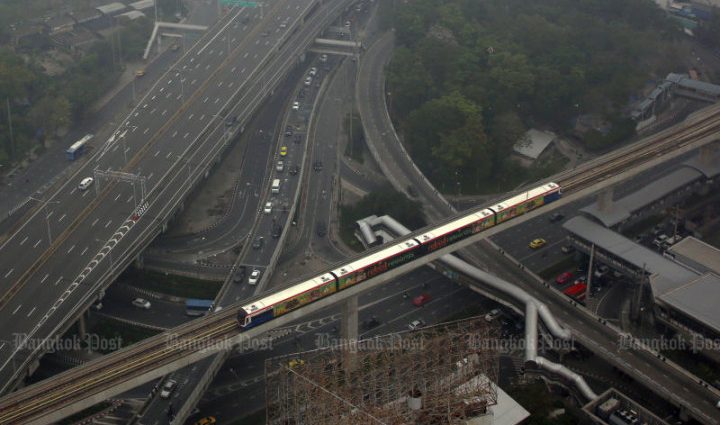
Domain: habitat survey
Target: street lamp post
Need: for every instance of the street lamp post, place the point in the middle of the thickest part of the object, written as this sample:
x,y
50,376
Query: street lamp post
x,y
47,217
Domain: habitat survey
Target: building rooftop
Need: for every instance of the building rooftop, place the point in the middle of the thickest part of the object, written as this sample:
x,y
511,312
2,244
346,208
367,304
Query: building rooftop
x,y
111,8
142,4
623,208
533,143
86,15
697,299
683,80
132,15
706,258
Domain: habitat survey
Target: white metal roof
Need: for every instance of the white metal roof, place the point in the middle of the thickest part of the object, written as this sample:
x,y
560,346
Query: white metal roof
x,y
533,143
290,292
370,259
142,4
111,8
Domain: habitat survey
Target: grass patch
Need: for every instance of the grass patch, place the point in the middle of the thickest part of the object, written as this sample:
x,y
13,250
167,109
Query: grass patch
x,y
557,268
124,333
354,149
179,286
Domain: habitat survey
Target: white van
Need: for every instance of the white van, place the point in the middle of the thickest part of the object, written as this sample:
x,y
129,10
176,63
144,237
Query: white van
x,y
85,183
275,186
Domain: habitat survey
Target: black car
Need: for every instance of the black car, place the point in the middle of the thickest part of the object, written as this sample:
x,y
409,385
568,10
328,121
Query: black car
x,y
294,170
258,243
321,229
372,323
277,231
318,166
240,274
556,217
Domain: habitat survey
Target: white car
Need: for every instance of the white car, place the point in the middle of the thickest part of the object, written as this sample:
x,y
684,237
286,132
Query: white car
x,y
323,57
296,105
254,277
416,324
313,71
492,315
268,208
141,303
85,183
308,81
280,166
168,388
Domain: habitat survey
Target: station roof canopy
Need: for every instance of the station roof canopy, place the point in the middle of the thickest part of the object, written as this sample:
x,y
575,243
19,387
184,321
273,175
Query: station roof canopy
x,y
132,15
623,208
685,290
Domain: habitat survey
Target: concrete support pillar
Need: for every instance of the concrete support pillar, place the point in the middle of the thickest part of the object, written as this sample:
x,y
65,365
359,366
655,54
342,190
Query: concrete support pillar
x,y
605,199
349,325
82,326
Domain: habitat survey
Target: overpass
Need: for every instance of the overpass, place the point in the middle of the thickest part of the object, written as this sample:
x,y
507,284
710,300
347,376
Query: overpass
x,y
337,47
171,138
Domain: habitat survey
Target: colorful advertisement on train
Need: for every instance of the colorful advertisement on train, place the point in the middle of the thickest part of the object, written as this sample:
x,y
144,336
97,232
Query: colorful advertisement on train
x,y
304,298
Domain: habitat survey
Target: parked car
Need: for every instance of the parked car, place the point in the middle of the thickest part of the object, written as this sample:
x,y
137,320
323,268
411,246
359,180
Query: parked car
x,y
416,324
564,278
660,240
494,313
421,300
601,271
168,388
567,249
254,277
308,81
555,217
537,243
141,303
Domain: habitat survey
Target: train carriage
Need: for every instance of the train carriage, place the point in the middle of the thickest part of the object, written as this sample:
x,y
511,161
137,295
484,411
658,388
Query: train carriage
x,y
287,300
456,230
526,202
375,264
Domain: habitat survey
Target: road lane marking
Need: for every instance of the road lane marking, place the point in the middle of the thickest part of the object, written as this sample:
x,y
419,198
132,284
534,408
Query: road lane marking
x,y
31,311
174,134
202,117
161,89
45,278
232,71
57,281
192,82
62,218
150,176
242,70
16,309
94,222
207,66
186,135
117,197
108,223
23,241
220,84
153,98
206,99
167,96
50,215
129,199
73,191
191,115
217,100
146,130
168,155
10,272
83,251
156,154
246,54
71,249
37,243
163,112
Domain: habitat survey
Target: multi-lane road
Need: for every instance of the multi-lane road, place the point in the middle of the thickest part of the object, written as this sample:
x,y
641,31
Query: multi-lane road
x,y
62,253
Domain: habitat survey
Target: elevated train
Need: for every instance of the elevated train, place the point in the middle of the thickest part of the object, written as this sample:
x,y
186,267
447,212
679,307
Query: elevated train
x,y
386,259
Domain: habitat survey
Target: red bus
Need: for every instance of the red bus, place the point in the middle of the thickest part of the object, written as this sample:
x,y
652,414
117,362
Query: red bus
x,y
577,291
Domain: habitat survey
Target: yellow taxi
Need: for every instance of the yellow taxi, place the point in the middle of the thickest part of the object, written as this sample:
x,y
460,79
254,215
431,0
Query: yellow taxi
x,y
208,420
139,73
295,362
283,151
537,243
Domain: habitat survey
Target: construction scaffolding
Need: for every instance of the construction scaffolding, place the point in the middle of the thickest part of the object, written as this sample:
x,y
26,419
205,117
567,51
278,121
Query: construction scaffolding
x,y
443,374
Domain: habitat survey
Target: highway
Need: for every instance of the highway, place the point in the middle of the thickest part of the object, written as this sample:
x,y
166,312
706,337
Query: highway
x,y
168,139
